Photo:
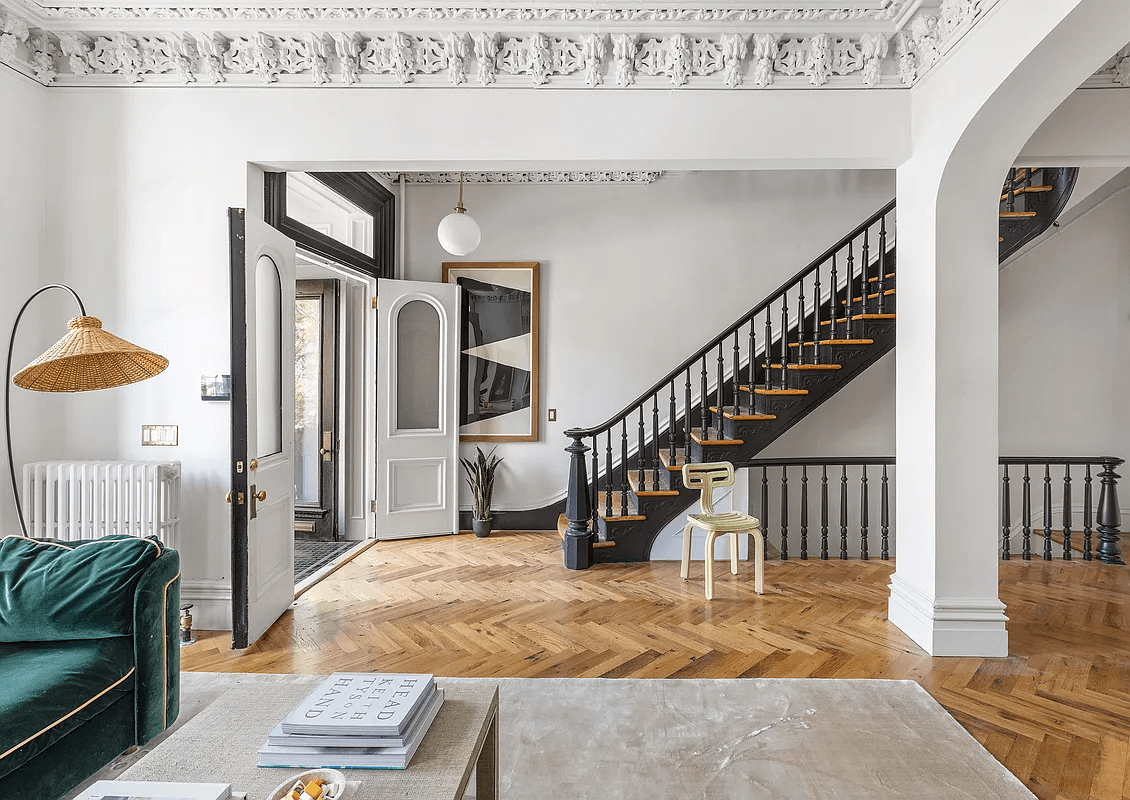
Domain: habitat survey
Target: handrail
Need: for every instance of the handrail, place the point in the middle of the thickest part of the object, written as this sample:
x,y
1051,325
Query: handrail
x,y
577,433
1060,460
890,461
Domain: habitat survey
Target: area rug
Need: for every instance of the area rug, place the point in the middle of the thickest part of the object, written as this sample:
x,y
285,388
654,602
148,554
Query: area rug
x,y
742,738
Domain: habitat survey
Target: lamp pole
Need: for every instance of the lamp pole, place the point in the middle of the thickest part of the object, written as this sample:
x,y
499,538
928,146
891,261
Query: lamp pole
x,y
8,392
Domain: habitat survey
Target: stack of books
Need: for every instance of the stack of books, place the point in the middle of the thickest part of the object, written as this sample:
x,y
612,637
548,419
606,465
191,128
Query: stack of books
x,y
356,720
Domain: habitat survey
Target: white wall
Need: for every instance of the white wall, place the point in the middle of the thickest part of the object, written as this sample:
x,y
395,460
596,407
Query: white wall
x,y
635,278
37,431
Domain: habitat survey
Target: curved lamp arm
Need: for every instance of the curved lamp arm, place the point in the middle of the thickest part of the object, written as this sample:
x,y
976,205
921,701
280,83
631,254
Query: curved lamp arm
x,y
8,392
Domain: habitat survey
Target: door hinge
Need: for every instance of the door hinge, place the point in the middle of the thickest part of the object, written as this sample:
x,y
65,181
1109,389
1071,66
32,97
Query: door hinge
x,y
374,302
373,506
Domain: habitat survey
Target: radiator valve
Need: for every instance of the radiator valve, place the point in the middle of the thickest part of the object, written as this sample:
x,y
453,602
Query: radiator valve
x,y
186,625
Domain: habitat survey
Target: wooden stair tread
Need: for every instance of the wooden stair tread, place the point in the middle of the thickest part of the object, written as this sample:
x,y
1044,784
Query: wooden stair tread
x,y
887,277
1017,214
834,342
871,296
804,366
563,525
874,316
602,506
713,438
677,464
652,486
729,413
1028,190
778,391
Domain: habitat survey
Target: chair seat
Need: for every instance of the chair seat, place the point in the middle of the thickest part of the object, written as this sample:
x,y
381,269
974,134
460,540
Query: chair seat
x,y
729,521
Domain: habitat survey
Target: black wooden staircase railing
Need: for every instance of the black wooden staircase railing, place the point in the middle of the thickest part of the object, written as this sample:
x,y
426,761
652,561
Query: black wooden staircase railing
x,y
835,508
742,390
1032,199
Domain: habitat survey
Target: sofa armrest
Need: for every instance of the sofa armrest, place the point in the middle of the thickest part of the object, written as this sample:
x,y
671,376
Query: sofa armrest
x,y
157,646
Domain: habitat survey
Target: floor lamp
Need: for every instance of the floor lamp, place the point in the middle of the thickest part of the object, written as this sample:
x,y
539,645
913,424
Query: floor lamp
x,y
87,358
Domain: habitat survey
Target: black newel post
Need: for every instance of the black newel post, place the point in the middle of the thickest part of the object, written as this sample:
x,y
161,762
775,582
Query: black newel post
x,y
1109,519
578,538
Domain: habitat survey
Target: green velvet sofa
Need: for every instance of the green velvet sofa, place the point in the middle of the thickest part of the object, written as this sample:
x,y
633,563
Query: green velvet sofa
x,y
89,656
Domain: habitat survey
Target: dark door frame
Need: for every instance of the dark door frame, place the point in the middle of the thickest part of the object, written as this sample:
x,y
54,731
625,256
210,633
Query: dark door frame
x,y
324,514
359,188
237,233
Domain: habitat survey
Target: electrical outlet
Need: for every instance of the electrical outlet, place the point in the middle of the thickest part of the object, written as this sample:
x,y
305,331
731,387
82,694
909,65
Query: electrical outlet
x,y
159,435
553,415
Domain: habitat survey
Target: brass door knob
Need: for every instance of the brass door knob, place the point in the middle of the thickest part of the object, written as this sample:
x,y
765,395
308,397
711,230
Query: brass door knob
x,y
253,464
227,498
261,495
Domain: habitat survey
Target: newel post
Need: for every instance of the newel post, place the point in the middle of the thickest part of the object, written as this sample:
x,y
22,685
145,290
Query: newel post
x,y
578,509
1109,518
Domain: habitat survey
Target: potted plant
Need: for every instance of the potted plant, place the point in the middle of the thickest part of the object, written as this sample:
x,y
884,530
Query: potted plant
x,y
480,477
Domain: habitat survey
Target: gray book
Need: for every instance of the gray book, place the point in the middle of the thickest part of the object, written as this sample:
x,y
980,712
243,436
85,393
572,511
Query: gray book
x,y
273,755
420,720
360,704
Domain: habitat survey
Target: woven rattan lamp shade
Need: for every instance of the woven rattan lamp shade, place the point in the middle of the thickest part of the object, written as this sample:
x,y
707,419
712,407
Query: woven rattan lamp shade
x,y
89,358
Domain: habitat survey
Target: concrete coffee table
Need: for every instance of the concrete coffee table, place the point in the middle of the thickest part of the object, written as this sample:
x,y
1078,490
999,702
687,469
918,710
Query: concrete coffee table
x,y
221,745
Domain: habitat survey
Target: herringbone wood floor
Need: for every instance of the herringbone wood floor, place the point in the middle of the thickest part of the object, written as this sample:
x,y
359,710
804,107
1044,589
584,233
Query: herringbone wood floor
x,y
1056,712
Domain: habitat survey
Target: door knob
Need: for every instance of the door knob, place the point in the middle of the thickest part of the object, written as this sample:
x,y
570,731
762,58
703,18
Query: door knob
x,y
261,495
327,449
238,498
227,498
253,464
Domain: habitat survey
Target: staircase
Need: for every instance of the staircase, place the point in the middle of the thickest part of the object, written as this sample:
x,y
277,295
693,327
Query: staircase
x,y
759,377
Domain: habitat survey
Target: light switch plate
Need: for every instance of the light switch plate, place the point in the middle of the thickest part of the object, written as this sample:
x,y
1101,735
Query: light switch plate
x,y
553,415
159,435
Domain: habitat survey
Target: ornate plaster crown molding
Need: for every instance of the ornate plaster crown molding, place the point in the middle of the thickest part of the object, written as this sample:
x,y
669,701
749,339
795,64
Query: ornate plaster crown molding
x,y
858,44
590,177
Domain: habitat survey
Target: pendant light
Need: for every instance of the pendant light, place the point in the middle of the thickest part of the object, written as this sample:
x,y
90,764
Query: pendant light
x,y
458,232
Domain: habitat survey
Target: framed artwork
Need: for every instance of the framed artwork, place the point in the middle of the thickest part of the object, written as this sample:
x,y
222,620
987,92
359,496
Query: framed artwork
x,y
498,349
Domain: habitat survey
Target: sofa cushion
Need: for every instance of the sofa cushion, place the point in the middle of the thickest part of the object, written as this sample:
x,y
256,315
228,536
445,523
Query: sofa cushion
x,y
74,590
47,689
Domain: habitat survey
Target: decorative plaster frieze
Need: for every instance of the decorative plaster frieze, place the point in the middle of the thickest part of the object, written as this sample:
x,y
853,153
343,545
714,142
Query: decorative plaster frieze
x,y
1114,73
602,176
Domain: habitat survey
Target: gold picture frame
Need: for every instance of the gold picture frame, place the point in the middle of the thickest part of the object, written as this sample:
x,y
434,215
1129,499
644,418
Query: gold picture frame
x,y
498,344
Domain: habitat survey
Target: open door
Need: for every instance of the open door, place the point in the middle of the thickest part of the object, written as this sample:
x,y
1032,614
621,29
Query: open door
x,y
262,435
417,409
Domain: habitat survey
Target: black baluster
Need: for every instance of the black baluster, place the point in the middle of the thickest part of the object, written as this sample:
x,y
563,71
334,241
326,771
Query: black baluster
x,y
765,505
1012,180
785,340
803,512
1026,522
640,453
1109,518
624,467
863,515
595,483
578,542
1087,519
843,513
752,361
848,327
864,273
655,441
608,477
823,512
784,513
832,301
737,376
1047,512
882,305
687,421
1066,512
800,326
768,348
704,402
719,391
816,302
672,426
885,517
1006,517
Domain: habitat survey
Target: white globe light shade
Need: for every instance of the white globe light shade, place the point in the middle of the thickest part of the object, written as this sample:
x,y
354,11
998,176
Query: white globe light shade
x,y
459,234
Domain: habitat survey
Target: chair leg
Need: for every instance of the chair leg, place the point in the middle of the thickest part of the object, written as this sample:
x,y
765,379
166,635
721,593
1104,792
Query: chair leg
x,y
685,568
758,561
709,559
734,553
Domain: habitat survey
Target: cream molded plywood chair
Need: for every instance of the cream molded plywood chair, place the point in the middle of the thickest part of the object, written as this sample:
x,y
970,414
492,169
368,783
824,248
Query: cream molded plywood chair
x,y
705,477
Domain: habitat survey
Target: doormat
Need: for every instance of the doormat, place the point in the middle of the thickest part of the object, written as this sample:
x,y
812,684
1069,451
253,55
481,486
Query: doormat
x,y
310,555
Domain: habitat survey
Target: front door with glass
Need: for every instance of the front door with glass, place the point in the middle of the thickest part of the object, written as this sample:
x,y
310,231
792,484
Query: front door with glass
x,y
316,441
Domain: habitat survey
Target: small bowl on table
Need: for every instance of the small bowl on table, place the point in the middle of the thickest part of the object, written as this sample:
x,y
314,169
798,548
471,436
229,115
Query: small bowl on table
x,y
329,776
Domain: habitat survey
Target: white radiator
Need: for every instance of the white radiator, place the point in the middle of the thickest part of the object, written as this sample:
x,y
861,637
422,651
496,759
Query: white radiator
x,y
71,500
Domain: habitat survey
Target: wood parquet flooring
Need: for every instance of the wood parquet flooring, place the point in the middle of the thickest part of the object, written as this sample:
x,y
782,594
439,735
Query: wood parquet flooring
x,y
1056,712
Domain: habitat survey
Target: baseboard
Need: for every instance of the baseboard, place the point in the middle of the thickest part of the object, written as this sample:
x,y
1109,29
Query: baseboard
x,y
955,627
211,603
